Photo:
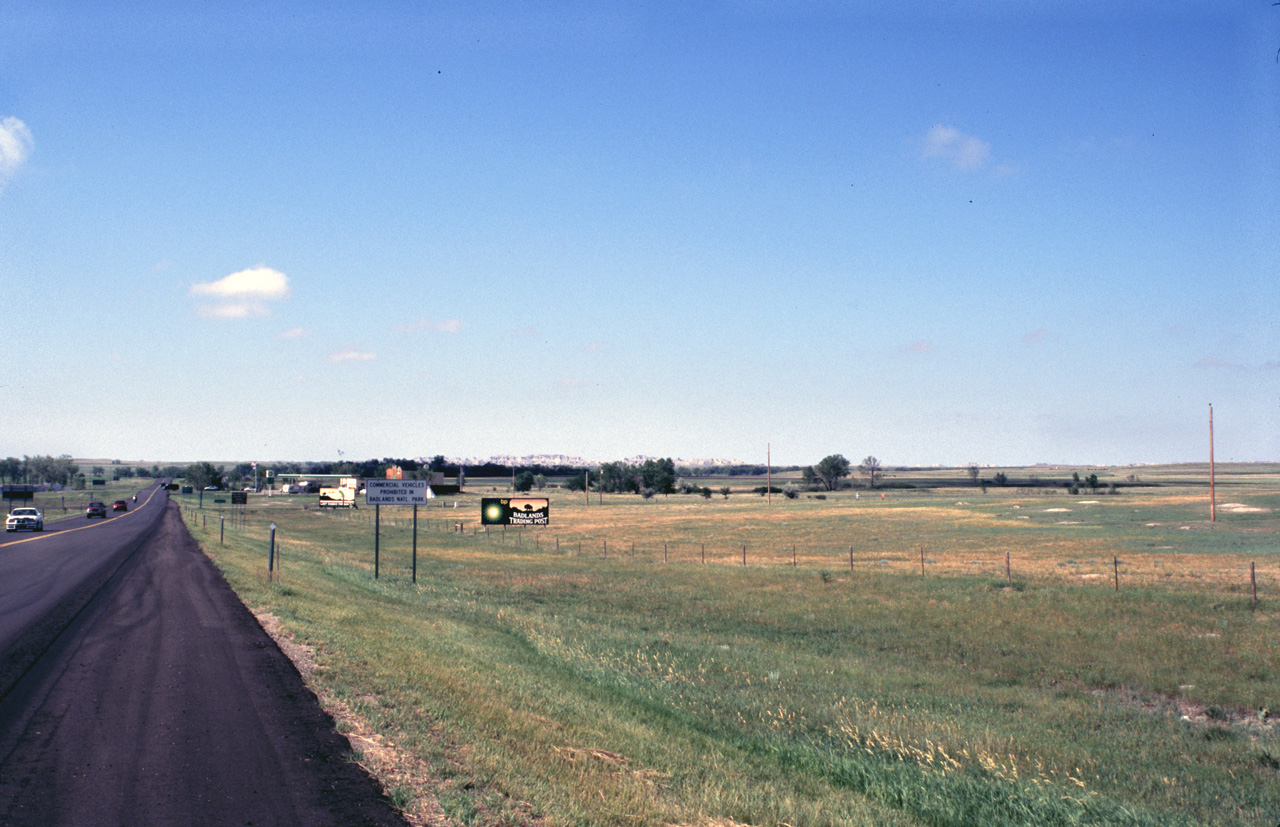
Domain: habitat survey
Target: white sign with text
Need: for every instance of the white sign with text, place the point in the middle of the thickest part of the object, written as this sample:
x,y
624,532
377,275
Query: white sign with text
x,y
397,492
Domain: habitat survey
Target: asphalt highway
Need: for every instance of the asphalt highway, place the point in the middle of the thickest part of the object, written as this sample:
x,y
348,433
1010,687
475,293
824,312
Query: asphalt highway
x,y
136,689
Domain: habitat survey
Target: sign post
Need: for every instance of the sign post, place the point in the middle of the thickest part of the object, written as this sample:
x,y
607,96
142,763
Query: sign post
x,y
378,493
271,554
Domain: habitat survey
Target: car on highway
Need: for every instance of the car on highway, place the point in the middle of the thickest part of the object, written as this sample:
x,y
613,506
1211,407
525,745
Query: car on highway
x,y
24,518
96,509
119,505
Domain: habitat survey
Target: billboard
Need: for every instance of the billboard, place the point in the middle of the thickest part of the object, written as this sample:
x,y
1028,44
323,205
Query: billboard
x,y
515,511
337,498
397,492
19,492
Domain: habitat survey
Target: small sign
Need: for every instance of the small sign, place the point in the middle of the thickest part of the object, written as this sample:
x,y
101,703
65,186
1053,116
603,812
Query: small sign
x,y
397,492
239,498
515,511
19,492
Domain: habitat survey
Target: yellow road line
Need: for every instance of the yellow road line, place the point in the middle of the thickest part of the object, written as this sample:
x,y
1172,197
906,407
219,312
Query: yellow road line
x,y
42,535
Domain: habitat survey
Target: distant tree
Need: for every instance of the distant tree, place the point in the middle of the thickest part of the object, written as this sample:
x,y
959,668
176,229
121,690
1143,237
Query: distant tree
x,y
724,491
539,481
617,478
11,469
870,469
1092,482
831,470
1001,478
437,463
973,470
659,474
98,470
49,469
524,481
203,474
789,491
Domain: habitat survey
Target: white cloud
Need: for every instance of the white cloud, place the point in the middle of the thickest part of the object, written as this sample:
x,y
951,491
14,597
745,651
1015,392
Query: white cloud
x,y
258,282
352,354
243,294
292,333
962,151
16,144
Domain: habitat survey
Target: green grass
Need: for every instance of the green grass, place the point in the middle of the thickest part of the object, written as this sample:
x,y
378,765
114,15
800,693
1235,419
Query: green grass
x,y
58,505
528,686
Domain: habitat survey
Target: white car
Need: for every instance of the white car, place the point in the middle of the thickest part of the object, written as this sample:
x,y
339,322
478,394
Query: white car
x,y
20,518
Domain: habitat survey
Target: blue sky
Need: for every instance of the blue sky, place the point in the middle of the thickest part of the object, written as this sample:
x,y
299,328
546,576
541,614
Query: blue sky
x,y
993,231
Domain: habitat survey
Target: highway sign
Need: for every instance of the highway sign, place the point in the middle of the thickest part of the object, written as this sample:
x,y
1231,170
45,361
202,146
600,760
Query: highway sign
x,y
397,492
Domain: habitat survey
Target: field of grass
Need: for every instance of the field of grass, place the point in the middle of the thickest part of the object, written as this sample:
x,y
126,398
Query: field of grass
x,y
873,662
58,505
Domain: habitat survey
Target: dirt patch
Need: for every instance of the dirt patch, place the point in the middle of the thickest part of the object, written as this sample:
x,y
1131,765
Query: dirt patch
x,y
1258,724
1241,508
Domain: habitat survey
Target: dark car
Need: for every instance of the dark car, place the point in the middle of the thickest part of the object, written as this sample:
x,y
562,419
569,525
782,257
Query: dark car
x,y
119,505
96,509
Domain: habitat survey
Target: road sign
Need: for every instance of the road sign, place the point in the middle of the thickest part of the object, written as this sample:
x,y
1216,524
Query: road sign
x,y
239,498
397,492
19,492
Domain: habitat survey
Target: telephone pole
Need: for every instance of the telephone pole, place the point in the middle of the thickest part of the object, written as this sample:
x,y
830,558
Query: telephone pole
x,y
1213,501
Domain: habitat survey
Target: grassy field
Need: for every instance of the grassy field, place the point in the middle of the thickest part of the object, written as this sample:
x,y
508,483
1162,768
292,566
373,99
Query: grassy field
x,y
873,662
69,504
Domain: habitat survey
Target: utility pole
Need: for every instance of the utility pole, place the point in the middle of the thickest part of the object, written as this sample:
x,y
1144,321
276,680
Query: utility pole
x,y
1213,501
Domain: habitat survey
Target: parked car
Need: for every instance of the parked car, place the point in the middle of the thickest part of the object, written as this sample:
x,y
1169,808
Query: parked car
x,y
24,518
96,509
119,505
